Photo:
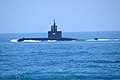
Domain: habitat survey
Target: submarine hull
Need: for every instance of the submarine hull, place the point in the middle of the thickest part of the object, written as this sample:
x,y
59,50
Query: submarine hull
x,y
45,39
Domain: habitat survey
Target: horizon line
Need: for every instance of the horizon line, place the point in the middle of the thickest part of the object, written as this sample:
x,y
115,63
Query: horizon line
x,y
62,32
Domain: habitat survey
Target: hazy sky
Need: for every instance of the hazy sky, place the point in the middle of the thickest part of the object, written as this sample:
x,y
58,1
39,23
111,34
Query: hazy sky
x,y
71,15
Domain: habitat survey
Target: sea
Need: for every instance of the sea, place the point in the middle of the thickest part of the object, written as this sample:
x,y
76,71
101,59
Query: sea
x,y
87,59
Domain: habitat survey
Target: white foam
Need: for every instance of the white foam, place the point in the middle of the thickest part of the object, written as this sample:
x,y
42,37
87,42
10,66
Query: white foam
x,y
115,39
14,40
91,40
51,40
103,40
31,41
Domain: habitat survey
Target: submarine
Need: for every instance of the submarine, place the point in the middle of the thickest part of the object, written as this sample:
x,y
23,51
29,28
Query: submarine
x,y
53,34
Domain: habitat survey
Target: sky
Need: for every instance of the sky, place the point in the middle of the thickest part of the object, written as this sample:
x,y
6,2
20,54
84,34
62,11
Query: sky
x,y
34,16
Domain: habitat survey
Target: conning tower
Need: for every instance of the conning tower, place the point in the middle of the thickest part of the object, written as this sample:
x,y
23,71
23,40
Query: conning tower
x,y
54,34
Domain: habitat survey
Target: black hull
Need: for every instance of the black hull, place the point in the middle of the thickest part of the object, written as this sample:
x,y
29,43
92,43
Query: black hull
x,y
45,39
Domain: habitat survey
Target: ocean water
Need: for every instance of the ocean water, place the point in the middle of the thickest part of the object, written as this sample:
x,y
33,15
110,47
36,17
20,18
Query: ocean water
x,y
56,60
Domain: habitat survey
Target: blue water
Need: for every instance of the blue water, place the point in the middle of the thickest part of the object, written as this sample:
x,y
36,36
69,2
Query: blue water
x,y
72,60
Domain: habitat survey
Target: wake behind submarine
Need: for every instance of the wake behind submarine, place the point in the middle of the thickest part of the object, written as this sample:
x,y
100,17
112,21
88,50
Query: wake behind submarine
x,y
52,35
